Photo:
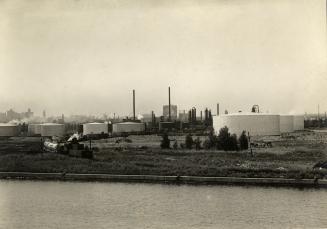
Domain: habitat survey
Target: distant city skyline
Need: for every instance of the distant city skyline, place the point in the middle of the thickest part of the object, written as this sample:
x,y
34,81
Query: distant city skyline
x,y
86,57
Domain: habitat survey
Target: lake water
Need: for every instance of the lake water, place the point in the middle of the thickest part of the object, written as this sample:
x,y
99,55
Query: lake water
x,y
42,204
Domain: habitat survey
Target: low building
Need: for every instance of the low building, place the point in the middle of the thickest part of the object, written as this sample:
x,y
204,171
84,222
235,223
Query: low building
x,y
34,129
52,129
8,130
128,127
95,128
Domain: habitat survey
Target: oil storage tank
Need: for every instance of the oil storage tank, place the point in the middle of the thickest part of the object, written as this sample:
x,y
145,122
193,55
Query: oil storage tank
x,y
286,123
8,130
298,122
128,127
34,129
257,124
95,128
52,129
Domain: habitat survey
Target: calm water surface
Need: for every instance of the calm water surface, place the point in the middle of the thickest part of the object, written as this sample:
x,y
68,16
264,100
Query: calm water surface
x,y
34,204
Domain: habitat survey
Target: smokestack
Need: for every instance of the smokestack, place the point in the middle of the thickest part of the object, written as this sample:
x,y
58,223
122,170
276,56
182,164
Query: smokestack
x,y
152,117
169,104
133,104
217,109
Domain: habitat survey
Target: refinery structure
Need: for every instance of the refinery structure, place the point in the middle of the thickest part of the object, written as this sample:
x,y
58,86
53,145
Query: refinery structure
x,y
254,123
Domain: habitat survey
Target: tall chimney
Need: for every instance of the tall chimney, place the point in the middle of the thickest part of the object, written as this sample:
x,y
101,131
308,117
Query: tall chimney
x,y
217,109
133,104
169,119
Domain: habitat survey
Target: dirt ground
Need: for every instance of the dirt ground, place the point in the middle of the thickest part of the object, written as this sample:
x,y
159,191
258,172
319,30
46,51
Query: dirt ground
x,y
291,156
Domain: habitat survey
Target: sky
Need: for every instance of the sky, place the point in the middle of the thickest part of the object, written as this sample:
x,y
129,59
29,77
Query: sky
x,y
86,56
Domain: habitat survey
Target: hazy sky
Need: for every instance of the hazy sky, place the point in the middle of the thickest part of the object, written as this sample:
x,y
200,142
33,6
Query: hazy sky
x,y
86,56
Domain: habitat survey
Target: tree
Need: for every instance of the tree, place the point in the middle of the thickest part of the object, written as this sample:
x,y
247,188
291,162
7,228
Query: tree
x,y
226,141
188,141
244,143
233,142
212,139
165,142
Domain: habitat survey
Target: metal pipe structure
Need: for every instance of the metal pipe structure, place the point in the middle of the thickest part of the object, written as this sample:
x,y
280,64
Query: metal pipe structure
x,y
217,109
169,104
133,104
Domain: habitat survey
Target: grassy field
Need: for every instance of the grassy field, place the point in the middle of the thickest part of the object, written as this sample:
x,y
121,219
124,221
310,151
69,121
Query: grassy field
x,y
291,156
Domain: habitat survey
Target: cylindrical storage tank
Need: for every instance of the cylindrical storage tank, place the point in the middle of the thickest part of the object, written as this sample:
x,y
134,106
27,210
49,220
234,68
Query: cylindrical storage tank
x,y
95,128
257,124
286,123
298,122
128,127
34,129
52,129
8,130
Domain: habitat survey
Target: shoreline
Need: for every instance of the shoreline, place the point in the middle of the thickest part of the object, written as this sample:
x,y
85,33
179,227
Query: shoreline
x,y
313,183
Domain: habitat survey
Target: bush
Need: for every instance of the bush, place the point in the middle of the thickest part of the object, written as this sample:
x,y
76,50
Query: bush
x,y
175,146
188,141
165,142
244,143
207,144
225,141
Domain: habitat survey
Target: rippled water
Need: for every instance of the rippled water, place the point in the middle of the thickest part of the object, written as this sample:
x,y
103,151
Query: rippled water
x,y
34,204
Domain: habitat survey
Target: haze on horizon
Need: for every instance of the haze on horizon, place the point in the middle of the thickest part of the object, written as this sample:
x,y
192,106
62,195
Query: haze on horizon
x,y
85,56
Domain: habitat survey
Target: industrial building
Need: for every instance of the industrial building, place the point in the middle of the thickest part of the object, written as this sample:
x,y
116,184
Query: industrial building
x,y
173,112
8,130
286,123
254,123
128,127
95,128
34,129
52,129
298,122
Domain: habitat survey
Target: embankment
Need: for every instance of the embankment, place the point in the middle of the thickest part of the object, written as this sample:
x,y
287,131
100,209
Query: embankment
x,y
165,179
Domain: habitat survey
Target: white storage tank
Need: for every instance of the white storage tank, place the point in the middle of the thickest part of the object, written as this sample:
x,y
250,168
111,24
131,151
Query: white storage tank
x,y
128,127
257,124
34,129
286,123
52,129
8,130
95,128
298,122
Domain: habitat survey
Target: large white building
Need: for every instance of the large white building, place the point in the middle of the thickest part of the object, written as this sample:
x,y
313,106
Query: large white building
x,y
95,128
258,123
34,129
128,127
298,122
52,129
8,130
286,123
254,123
